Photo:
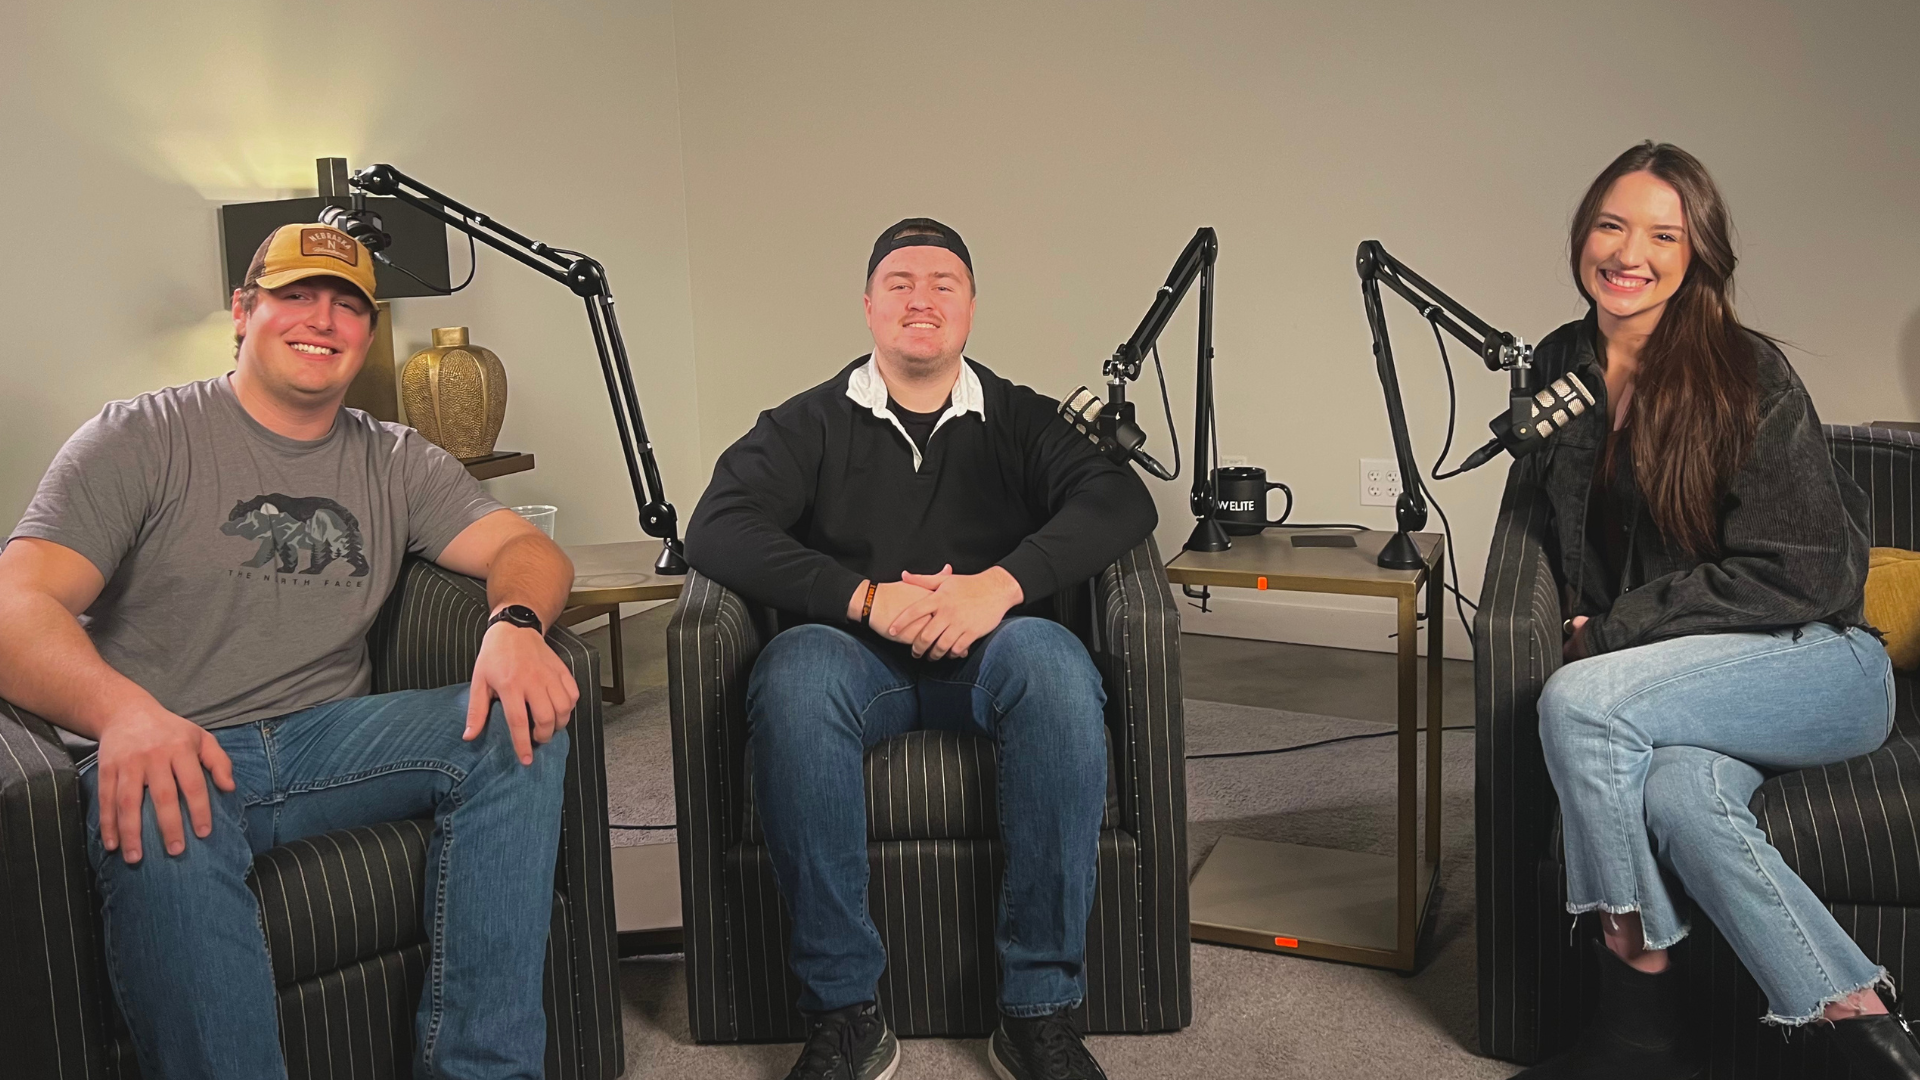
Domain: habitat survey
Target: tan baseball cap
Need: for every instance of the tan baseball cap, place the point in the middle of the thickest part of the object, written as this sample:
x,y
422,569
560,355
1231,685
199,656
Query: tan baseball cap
x,y
296,252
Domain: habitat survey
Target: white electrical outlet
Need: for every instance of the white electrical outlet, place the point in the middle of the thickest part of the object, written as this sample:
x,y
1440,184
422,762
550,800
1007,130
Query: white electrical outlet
x,y
1231,461
1379,481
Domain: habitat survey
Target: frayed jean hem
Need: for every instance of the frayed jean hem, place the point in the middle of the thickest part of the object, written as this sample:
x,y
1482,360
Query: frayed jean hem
x,y
1880,979
1631,909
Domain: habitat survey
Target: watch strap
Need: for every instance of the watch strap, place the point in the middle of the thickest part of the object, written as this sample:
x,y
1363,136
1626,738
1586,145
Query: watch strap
x,y
519,615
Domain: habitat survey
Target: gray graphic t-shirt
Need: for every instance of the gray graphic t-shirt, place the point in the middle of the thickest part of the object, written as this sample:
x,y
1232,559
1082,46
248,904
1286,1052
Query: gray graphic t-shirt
x,y
244,568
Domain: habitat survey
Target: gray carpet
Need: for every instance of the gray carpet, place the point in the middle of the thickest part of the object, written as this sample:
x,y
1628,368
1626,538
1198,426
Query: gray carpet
x,y
1255,1014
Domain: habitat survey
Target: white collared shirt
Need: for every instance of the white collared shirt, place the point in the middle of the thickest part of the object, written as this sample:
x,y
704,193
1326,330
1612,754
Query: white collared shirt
x,y
869,390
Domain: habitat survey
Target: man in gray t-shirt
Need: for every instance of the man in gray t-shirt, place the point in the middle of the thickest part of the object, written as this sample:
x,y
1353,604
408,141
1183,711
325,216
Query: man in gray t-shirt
x,y
192,587
243,567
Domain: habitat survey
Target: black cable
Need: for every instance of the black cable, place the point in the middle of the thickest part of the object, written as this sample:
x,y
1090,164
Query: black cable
x,y
1190,757
1316,743
473,263
1453,565
1453,560
1173,433
1446,363
1213,429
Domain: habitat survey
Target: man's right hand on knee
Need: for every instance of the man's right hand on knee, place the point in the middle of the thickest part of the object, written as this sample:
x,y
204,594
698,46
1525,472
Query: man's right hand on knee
x,y
147,748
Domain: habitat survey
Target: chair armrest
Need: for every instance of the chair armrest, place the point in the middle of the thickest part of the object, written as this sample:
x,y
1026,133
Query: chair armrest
x,y
1517,631
712,643
585,872
427,635
1136,645
51,975
1885,463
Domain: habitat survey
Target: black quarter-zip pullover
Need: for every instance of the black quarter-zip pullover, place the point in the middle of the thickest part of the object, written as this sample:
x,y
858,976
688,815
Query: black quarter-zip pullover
x,y
823,493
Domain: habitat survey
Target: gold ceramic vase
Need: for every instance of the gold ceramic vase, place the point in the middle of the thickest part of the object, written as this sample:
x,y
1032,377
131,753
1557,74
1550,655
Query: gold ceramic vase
x,y
455,394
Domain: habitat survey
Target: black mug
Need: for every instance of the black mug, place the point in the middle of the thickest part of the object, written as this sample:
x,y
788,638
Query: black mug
x,y
1240,499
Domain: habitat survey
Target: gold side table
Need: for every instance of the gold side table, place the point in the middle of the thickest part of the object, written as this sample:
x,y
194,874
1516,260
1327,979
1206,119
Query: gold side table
x,y
1335,905
606,576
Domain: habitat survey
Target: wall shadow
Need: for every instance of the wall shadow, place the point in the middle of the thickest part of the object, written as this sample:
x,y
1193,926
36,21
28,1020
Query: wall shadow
x,y
1907,360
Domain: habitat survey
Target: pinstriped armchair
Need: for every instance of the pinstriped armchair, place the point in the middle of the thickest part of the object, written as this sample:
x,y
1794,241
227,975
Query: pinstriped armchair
x,y
932,833
1847,829
341,911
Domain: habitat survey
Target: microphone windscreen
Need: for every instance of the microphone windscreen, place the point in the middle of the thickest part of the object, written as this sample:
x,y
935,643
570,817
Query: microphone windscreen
x,y
1082,409
1563,399
1083,405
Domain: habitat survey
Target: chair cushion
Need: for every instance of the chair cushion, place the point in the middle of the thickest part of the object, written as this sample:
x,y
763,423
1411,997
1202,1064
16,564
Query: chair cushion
x,y
1851,830
356,1022
1893,602
929,785
332,900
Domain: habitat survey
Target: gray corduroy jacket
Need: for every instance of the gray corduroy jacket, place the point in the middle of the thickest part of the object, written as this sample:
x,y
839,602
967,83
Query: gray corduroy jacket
x,y
1792,547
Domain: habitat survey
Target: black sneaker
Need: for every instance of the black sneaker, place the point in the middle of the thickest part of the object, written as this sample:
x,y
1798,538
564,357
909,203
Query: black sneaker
x,y
1041,1048
853,1043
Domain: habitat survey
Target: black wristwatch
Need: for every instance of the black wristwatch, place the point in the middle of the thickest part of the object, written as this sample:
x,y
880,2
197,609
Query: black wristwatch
x,y
519,615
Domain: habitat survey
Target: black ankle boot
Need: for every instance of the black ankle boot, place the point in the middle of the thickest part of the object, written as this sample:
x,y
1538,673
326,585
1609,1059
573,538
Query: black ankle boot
x,y
1878,1048
1636,1032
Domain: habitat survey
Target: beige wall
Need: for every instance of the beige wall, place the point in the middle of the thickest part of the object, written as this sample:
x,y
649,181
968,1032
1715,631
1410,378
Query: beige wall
x,y
1078,145
125,125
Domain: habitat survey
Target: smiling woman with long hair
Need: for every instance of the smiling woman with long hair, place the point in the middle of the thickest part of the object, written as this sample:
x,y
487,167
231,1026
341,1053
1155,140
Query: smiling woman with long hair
x,y
1713,569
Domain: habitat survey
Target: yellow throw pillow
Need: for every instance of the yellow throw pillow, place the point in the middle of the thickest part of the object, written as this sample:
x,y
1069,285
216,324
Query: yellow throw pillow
x,y
1893,602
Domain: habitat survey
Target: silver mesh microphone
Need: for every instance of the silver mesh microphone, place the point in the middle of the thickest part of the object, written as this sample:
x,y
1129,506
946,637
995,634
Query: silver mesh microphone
x,y
1082,410
1554,407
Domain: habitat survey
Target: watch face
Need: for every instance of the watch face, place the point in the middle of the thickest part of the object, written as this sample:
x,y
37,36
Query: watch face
x,y
519,615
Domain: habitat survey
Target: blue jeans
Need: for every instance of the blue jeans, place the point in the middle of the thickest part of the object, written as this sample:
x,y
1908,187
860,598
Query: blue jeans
x,y
1655,752
820,696
185,953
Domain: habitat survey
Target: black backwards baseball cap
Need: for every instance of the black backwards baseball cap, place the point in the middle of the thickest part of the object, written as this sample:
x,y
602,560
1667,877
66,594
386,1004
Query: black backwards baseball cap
x,y
917,232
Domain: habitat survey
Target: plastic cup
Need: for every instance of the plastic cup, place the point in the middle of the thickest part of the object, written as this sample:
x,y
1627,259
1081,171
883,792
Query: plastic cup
x,y
541,516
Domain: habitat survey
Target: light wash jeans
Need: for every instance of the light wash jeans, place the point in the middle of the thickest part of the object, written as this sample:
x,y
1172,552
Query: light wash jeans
x,y
185,953
1655,752
819,697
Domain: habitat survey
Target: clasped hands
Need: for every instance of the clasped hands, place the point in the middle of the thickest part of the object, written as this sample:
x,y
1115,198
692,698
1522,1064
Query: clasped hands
x,y
939,615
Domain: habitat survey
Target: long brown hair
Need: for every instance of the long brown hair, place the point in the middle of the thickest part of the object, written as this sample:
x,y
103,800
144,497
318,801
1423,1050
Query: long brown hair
x,y
1695,400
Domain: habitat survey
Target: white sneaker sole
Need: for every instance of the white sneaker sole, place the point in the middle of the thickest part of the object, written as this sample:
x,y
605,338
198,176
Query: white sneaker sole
x,y
892,1066
993,1058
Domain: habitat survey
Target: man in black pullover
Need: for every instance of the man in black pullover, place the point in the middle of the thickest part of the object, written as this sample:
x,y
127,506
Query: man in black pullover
x,y
908,512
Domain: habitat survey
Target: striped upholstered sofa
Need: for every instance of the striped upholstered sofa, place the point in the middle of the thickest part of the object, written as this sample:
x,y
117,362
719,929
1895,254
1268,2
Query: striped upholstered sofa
x,y
341,911
932,833
1850,830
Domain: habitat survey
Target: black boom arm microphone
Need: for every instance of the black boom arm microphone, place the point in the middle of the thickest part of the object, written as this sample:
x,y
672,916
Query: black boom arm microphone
x,y
1531,416
1110,423
588,280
